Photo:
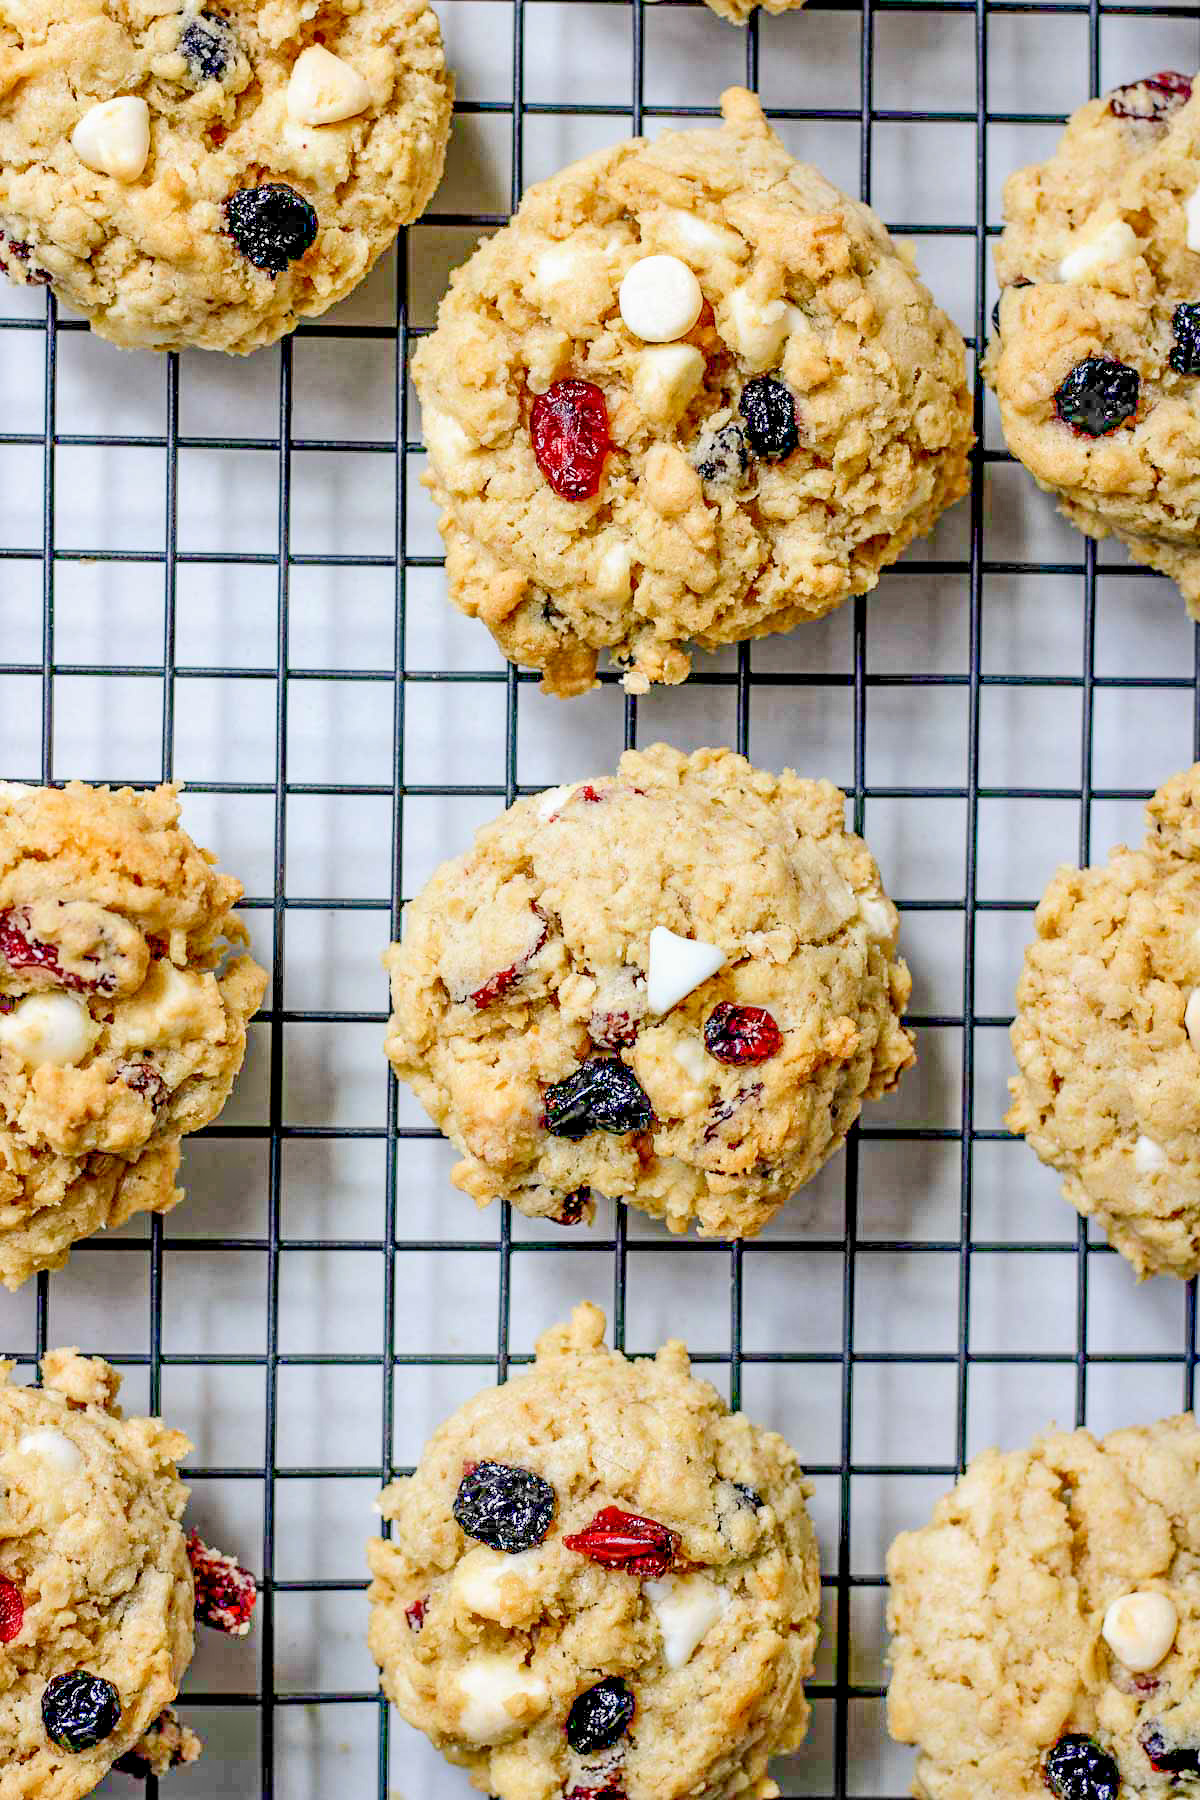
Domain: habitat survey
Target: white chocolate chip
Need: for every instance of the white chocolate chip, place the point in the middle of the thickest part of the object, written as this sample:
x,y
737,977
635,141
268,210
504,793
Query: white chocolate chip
x,y
113,138
676,966
614,571
666,380
554,799
1139,1629
324,89
686,1607
556,268
758,329
450,449
500,1697
1192,216
1191,1017
1113,243
660,299
48,1028
699,236
477,1579
14,790
1148,1157
694,1060
52,1447
876,916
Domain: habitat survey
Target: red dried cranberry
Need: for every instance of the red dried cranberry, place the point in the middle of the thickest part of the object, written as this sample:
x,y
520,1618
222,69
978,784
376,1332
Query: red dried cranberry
x,y
1153,99
741,1034
21,950
612,1030
621,1540
225,1592
589,793
496,986
415,1614
574,1207
12,1612
144,1079
569,428
600,1793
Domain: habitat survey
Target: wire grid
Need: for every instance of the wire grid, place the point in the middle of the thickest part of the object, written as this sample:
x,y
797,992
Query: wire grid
x,y
847,1766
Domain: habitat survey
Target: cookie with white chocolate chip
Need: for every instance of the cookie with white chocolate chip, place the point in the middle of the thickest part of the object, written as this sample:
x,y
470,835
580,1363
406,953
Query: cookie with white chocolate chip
x,y
1096,357
1047,1622
676,986
193,175
600,1580
691,394
1107,1037
122,1014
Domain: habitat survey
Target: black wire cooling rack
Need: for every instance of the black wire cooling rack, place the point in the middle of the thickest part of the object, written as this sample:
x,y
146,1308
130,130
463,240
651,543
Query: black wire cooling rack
x,y
841,1761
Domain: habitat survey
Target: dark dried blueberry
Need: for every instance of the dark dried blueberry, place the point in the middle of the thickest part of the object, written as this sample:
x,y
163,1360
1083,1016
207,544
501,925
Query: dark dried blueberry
x,y
574,1207
750,1495
1178,1759
599,1717
208,44
1019,282
741,1034
723,456
80,1710
1185,357
770,414
1097,396
1078,1769
602,1095
506,1508
271,225
1153,99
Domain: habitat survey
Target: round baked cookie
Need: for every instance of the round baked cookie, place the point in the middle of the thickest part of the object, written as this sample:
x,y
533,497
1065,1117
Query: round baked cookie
x,y
96,1597
691,392
600,1580
1107,1037
210,176
122,1015
1047,1622
675,987
1097,354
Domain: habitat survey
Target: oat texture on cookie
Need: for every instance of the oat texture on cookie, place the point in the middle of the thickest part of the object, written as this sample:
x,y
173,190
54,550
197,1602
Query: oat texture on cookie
x,y
675,986
1047,1622
122,1012
192,175
96,1611
647,1631
631,479
1107,1037
1096,357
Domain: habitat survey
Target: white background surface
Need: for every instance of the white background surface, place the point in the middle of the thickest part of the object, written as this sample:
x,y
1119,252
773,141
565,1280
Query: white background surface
x,y
255,1311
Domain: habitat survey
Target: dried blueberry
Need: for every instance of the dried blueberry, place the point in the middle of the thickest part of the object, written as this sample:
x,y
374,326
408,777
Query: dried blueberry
x,y
1178,1759
271,225
1097,396
208,44
80,1710
1078,1769
1185,357
602,1095
506,1508
770,414
599,1717
723,456
1019,282
750,1495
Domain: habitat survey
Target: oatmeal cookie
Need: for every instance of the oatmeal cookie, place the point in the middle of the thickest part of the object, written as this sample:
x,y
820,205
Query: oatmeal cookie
x,y
183,174
601,1581
96,1598
675,987
122,1017
1107,1037
1047,1622
1097,354
691,392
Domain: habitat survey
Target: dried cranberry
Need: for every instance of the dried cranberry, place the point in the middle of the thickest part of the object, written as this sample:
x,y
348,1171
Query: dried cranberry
x,y
621,1540
415,1614
769,410
612,1030
506,1508
1078,1769
21,950
271,224
12,1612
1098,395
599,1717
569,428
602,1095
590,794
1177,1759
225,1592
1185,323
725,1109
741,1034
574,1207
497,986
604,1793
173,1746
1153,99
145,1079
15,250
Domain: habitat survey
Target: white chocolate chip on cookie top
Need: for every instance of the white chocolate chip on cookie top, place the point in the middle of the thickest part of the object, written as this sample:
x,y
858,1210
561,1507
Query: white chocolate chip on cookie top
x,y
660,299
113,137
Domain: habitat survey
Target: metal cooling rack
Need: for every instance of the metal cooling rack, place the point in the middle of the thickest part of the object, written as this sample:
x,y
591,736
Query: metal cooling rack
x,y
278,1725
